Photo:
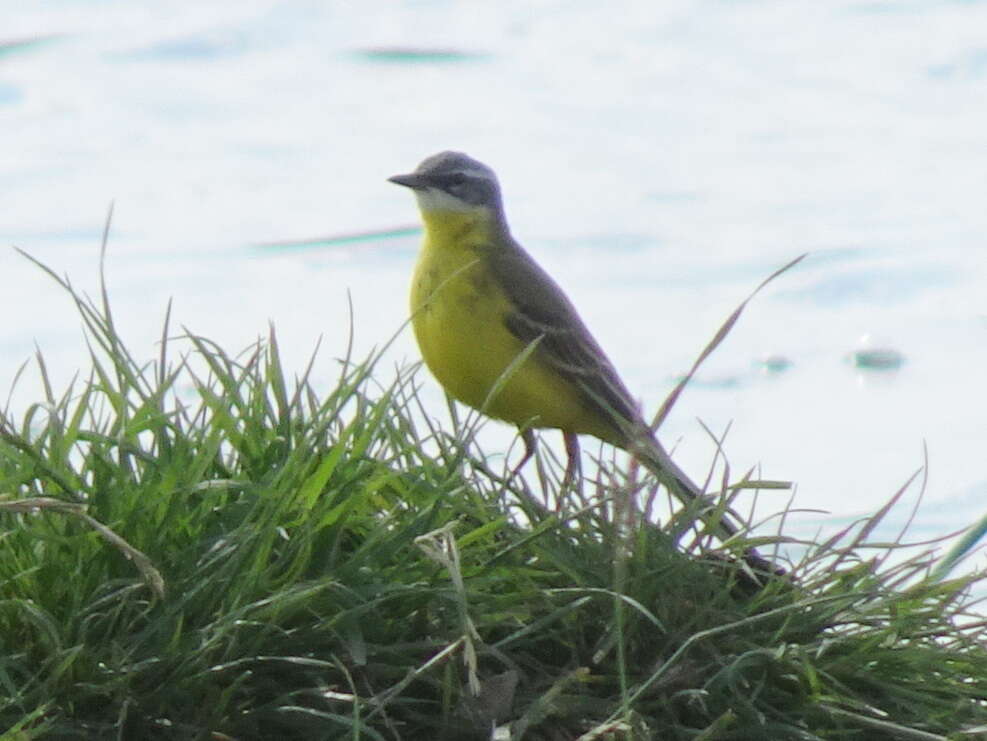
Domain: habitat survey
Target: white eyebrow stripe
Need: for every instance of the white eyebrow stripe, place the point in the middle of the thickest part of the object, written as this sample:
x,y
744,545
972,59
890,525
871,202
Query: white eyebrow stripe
x,y
470,172
476,172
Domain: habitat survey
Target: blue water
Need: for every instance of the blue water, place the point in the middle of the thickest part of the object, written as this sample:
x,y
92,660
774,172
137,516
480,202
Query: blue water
x,y
659,159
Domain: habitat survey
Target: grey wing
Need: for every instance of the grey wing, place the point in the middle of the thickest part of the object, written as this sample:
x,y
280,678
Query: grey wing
x,y
543,311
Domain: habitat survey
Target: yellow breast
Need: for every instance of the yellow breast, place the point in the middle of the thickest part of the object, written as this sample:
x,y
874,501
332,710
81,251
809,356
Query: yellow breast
x,y
458,313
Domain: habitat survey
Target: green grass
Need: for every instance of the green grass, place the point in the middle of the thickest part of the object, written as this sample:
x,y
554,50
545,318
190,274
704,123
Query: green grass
x,y
202,546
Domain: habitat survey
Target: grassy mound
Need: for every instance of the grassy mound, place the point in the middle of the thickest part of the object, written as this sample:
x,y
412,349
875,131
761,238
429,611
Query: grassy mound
x,y
199,548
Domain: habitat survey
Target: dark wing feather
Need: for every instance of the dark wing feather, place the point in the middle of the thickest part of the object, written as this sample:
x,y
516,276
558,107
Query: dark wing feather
x,y
543,311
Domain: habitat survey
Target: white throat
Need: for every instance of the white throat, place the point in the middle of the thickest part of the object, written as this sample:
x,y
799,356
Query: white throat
x,y
433,199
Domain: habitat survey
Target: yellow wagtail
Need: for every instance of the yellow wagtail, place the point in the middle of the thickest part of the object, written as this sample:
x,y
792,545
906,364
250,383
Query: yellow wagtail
x,y
502,337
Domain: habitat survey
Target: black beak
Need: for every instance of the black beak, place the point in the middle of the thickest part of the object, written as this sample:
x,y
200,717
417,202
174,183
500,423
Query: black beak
x,y
411,180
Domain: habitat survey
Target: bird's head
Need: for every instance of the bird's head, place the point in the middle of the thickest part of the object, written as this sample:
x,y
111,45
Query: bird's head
x,y
453,181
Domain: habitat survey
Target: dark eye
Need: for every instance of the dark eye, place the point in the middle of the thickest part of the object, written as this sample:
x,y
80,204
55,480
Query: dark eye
x,y
456,179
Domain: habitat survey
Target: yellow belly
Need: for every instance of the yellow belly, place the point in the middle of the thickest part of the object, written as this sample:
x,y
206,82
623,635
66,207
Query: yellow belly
x,y
458,318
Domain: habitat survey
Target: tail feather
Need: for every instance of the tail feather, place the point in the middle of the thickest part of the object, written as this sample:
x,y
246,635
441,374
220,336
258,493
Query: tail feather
x,y
652,456
727,524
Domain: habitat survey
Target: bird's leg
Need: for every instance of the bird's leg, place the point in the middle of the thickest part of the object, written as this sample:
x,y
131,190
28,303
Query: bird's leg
x,y
530,446
573,467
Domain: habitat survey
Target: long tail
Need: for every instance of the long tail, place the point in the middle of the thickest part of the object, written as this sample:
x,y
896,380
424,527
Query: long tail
x,y
726,524
649,452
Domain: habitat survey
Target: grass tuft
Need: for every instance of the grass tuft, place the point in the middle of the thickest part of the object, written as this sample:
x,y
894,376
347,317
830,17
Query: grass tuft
x,y
201,546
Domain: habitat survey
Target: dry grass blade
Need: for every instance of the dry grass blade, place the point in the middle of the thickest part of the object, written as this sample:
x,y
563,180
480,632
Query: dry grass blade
x,y
144,565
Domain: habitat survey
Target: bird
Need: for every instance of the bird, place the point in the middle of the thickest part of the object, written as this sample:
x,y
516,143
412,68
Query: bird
x,y
502,337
